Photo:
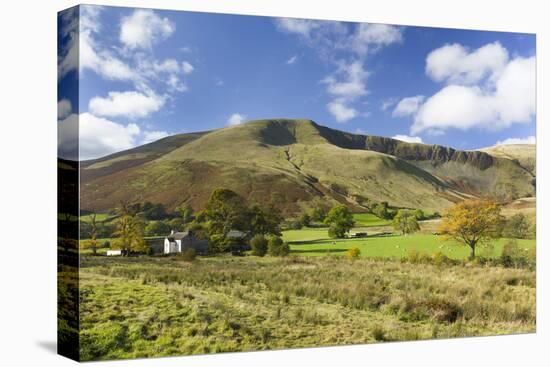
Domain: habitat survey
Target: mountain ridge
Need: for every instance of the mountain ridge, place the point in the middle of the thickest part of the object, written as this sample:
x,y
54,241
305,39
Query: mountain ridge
x,y
298,162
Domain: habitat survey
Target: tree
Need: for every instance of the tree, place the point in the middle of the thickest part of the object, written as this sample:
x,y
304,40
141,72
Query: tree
x,y
318,214
154,211
157,228
225,211
419,214
471,222
259,245
129,230
185,212
276,246
305,219
340,221
381,210
405,221
516,227
262,221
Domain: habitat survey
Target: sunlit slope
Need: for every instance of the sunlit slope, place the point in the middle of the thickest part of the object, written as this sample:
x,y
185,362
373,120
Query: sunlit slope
x,y
290,163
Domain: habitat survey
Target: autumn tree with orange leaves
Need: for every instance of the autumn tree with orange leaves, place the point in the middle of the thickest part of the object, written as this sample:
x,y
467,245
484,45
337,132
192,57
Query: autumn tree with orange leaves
x,y
471,222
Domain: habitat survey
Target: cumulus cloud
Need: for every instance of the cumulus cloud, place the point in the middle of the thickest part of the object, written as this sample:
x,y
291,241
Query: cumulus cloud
x,y
292,60
511,141
96,136
346,85
64,108
129,104
341,111
407,106
455,64
370,37
87,136
143,28
497,104
236,119
408,139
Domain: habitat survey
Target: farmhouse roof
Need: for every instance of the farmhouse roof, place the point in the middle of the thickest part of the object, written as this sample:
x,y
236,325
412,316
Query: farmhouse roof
x,y
178,235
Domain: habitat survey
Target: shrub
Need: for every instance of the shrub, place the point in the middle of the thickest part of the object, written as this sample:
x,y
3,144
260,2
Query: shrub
x,y
517,227
510,254
439,258
353,253
188,254
297,224
276,246
258,243
379,334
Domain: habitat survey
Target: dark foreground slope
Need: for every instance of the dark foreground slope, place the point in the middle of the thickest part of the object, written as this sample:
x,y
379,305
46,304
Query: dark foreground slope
x,y
292,163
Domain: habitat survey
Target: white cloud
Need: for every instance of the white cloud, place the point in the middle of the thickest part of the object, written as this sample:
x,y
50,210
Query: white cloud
x,y
68,52
407,106
369,37
187,68
236,119
345,46
408,139
387,103
97,136
64,109
129,104
151,136
456,65
349,81
341,111
360,131
142,28
302,27
346,85
292,60
94,57
510,141
497,104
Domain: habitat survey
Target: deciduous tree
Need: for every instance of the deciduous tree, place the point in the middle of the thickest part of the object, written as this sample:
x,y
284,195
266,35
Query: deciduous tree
x,y
471,222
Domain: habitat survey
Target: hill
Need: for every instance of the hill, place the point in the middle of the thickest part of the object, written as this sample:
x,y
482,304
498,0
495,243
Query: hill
x,y
524,154
294,163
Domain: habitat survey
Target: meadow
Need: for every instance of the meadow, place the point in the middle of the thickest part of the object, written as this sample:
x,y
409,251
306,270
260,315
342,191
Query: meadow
x,y
315,242
161,306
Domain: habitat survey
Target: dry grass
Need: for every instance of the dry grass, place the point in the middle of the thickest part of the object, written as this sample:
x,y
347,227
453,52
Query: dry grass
x,y
144,307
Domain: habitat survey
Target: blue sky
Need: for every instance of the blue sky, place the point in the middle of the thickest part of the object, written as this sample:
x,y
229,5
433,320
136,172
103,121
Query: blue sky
x,y
146,74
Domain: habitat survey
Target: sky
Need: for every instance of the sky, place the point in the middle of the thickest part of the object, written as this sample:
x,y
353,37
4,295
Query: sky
x,y
144,74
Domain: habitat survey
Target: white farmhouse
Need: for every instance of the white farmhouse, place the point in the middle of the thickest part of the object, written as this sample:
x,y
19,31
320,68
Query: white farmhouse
x,y
180,241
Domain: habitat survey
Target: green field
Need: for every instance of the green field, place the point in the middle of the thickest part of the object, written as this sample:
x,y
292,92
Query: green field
x,y
315,242
160,306
369,220
100,217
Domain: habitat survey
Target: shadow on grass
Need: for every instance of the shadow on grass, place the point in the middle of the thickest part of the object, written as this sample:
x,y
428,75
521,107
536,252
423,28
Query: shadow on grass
x,y
319,251
336,241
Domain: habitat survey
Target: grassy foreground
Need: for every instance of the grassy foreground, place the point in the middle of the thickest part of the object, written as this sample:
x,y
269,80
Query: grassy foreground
x,y
147,306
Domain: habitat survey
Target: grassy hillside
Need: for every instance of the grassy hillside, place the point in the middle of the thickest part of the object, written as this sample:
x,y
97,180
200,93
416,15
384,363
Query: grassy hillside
x,y
525,154
289,163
